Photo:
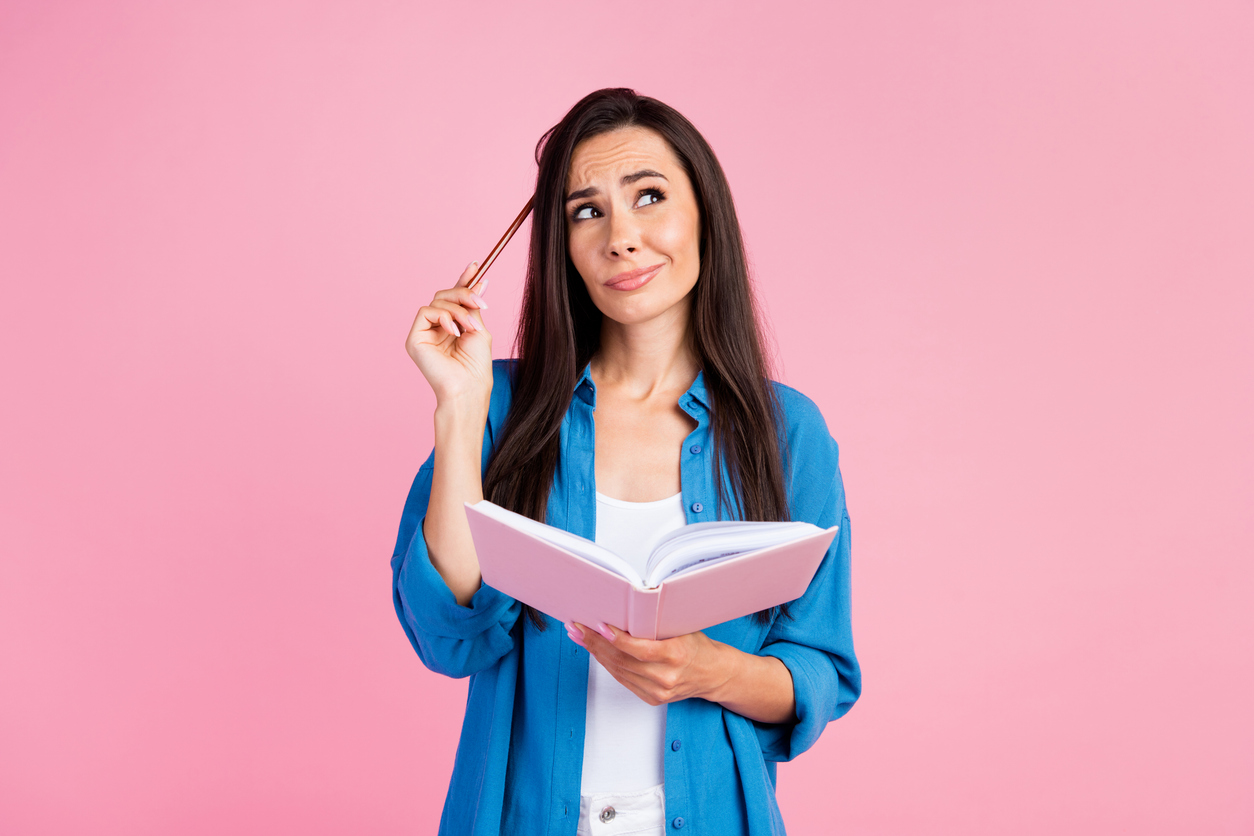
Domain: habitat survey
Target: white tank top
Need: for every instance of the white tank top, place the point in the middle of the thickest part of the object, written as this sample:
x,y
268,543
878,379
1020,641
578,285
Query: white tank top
x,y
625,736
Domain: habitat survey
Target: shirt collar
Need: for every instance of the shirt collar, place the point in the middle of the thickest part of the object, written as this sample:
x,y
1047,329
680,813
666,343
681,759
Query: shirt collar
x,y
585,389
695,398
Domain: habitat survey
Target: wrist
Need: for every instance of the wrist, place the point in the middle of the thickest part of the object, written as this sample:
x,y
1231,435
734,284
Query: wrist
x,y
459,433
464,411
729,664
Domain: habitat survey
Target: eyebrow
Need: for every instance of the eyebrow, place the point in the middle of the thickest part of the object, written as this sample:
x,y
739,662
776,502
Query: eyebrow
x,y
627,180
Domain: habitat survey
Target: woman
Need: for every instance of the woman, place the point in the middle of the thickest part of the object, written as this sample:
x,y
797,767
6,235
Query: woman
x,y
639,402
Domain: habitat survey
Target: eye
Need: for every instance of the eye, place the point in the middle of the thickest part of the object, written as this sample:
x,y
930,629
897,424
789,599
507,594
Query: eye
x,y
585,212
649,197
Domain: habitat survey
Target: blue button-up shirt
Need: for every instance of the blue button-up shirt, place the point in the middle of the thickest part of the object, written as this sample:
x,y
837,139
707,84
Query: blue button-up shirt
x,y
520,757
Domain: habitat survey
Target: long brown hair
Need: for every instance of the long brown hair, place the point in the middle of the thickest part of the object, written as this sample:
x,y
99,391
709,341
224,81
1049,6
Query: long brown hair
x,y
559,328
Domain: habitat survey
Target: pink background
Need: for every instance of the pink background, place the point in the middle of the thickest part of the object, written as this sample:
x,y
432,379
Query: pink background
x,y
1007,250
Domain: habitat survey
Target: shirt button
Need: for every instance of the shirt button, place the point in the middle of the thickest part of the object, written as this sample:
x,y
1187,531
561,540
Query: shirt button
x,y
696,448
607,815
677,822
697,507
675,746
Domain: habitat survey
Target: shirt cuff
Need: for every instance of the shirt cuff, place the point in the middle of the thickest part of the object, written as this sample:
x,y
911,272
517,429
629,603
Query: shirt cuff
x,y
815,686
431,606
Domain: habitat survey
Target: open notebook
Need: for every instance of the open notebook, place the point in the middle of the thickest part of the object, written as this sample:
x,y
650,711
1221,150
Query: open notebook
x,y
697,576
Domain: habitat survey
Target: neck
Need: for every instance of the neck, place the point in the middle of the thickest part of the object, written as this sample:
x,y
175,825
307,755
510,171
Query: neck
x,y
648,357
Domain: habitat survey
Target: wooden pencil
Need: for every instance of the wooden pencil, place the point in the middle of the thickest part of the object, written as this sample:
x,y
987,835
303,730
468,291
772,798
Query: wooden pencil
x,y
500,245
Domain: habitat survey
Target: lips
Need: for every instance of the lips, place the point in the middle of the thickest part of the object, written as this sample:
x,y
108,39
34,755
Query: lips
x,y
634,279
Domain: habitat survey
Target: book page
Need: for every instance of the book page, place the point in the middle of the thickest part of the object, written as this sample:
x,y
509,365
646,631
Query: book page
x,y
703,543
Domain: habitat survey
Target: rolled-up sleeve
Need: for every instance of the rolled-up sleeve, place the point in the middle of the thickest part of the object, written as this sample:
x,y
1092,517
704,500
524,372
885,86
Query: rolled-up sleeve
x,y
815,642
450,639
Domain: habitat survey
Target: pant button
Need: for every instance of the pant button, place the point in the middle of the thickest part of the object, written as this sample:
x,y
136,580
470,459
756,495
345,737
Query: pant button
x,y
607,815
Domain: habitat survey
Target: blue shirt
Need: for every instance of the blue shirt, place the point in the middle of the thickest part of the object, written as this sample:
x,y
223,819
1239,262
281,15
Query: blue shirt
x,y
520,756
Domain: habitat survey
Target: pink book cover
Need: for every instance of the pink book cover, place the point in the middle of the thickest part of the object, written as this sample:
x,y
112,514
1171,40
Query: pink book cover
x,y
569,588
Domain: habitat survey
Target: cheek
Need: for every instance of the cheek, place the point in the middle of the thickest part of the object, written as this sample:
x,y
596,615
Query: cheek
x,y
679,238
579,252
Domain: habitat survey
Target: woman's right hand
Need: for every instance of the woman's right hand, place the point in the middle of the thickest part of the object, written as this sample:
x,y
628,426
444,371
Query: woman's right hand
x,y
450,344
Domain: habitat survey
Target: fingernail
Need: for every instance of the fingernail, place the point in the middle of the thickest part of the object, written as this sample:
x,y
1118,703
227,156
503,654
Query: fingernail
x,y
479,299
604,629
456,331
483,285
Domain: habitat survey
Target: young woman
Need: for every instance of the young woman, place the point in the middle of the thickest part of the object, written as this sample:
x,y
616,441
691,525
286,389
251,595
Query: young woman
x,y
639,402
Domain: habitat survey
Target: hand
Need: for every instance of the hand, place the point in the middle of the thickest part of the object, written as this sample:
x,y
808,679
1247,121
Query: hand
x,y
450,343
658,672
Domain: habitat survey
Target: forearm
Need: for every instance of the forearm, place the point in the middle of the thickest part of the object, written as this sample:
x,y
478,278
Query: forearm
x,y
757,687
456,479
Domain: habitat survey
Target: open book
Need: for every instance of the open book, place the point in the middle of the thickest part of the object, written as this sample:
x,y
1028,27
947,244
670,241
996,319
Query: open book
x,y
697,576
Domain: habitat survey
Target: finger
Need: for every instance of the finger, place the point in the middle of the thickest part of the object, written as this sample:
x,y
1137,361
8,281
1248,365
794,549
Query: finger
x,y
598,648
608,654
601,635
446,320
463,296
646,650
433,318
641,685
590,640
428,319
468,274
463,305
459,313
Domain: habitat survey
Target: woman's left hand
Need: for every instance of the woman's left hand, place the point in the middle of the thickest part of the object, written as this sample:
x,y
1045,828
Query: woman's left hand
x,y
659,672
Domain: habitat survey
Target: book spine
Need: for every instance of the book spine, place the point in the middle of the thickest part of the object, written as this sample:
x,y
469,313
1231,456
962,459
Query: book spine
x,y
642,612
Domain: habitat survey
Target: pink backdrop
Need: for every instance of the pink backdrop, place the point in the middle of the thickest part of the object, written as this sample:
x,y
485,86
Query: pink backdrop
x,y
1006,249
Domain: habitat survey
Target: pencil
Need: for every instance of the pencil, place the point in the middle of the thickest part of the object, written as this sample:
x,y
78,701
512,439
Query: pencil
x,y
500,245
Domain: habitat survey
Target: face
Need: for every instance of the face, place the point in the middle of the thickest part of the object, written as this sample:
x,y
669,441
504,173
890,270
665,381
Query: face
x,y
633,225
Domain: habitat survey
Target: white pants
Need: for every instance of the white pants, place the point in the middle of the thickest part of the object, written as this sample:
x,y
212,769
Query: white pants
x,y
640,813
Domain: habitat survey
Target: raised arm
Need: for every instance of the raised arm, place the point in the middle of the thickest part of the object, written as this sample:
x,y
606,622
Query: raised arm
x,y
453,350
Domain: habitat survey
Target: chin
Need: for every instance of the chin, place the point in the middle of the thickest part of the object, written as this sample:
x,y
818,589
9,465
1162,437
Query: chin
x,y
627,313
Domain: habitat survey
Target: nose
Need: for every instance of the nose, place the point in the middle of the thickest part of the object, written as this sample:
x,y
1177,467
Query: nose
x,y
624,234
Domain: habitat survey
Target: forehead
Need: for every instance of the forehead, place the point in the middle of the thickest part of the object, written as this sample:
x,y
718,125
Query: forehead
x,y
609,156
